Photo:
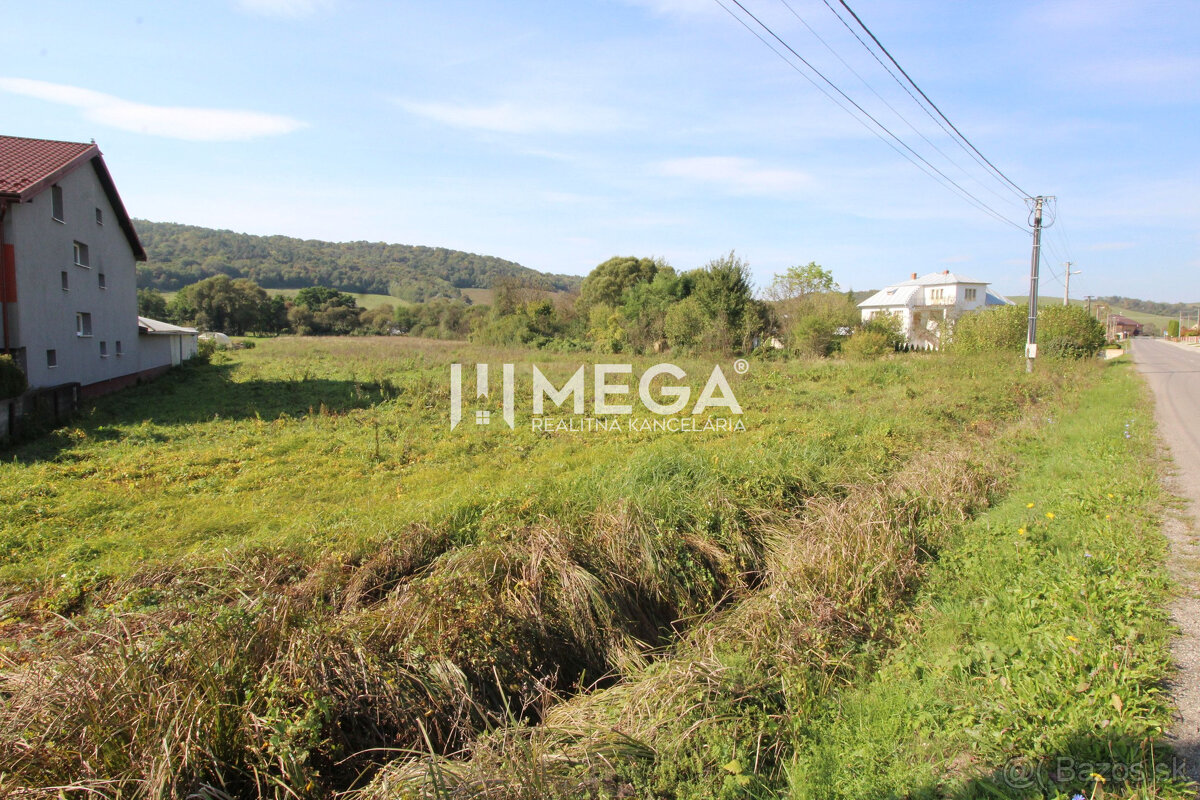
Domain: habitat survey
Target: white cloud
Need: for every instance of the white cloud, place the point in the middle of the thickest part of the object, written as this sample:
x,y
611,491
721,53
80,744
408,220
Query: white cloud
x,y
511,117
292,9
1101,247
737,175
175,122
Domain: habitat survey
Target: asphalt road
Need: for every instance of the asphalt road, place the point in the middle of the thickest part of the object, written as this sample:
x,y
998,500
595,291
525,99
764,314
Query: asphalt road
x,y
1173,373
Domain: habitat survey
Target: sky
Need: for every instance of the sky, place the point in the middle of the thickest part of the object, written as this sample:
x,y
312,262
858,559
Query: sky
x,y
559,134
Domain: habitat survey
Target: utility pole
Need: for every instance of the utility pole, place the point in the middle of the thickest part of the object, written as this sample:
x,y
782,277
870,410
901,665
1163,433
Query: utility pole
x,y
1089,302
1034,263
1067,283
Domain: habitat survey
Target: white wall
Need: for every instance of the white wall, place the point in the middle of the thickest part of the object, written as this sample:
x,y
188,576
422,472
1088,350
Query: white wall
x,y
44,315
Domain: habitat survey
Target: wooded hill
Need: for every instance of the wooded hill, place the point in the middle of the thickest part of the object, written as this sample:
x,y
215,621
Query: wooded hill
x,y
179,255
1150,306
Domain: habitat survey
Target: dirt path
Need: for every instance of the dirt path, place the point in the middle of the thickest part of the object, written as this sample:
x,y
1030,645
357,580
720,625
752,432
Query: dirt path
x,y
1174,375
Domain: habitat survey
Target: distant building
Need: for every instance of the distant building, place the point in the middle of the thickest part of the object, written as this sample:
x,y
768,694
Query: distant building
x,y
1121,327
68,291
927,304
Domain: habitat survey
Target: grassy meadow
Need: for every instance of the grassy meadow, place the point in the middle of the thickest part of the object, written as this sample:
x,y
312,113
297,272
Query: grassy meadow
x,y
281,574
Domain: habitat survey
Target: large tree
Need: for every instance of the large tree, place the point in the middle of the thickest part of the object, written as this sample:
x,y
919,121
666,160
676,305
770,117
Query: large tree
x,y
608,281
810,310
723,290
221,304
797,283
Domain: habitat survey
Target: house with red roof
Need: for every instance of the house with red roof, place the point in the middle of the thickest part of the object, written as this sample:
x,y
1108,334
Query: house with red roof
x,y
68,280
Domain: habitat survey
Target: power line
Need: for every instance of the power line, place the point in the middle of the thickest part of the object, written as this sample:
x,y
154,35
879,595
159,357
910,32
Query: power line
x,y
943,125
931,103
963,192
965,195
892,108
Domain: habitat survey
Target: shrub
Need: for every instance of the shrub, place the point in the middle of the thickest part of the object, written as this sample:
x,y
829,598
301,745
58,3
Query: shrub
x,y
204,351
1069,332
12,379
684,324
990,329
867,343
890,325
1063,331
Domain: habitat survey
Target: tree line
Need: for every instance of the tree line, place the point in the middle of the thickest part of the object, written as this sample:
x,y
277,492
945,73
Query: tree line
x,y
1150,306
180,255
626,304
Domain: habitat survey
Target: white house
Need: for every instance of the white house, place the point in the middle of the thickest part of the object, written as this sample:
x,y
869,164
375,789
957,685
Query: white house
x,y
68,253
927,304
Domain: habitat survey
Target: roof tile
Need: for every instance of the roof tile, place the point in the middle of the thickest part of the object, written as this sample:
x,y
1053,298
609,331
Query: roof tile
x,y
24,162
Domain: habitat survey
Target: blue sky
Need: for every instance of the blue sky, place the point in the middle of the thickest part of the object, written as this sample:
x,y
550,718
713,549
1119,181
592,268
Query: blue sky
x,y
559,134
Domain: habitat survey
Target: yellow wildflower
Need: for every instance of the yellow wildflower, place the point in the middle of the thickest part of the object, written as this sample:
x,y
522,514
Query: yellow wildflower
x,y
1029,505
1021,531
1049,515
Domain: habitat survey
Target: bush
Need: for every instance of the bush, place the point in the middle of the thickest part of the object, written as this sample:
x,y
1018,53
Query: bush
x,y
890,325
204,351
684,324
1063,331
866,344
990,329
1069,332
12,379
1062,347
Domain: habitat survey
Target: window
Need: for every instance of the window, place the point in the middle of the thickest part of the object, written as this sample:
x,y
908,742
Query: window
x,y
56,202
99,217
51,358
118,348
104,349
66,281
970,294
81,255
83,324
103,283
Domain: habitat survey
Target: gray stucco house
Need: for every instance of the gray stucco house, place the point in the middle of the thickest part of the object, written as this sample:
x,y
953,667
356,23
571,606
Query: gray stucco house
x,y
68,292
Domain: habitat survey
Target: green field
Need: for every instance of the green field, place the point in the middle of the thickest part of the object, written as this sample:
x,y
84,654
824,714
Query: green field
x,y
281,574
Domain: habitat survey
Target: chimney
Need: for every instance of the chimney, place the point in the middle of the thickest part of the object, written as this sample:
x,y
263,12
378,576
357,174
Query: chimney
x,y
914,277
945,272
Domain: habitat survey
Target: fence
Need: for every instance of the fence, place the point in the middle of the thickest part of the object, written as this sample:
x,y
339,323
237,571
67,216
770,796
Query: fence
x,y
40,408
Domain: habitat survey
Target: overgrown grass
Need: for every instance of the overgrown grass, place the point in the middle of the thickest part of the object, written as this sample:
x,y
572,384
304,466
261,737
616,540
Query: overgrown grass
x,y
270,575
1039,645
